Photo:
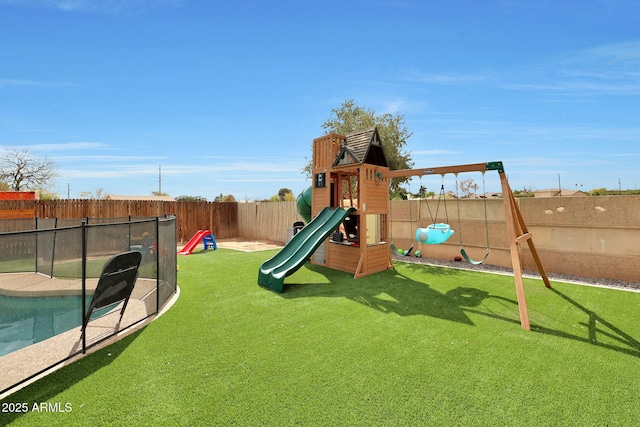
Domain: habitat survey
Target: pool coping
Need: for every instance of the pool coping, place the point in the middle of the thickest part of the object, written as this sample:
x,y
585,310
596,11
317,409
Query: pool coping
x,y
30,377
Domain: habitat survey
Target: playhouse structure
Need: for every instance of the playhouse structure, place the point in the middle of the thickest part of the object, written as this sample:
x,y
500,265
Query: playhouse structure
x,y
350,172
350,209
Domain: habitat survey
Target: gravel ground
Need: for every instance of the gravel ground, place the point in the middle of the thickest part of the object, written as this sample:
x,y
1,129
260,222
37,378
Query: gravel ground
x,y
606,283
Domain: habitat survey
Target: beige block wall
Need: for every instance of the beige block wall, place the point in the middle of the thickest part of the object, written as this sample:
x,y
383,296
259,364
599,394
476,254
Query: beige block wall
x,y
587,236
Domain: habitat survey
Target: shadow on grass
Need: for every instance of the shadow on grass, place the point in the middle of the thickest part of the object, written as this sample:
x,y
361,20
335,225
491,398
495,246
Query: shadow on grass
x,y
392,292
47,388
596,326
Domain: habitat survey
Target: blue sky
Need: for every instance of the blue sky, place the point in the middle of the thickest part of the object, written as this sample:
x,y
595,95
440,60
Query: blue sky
x,y
227,95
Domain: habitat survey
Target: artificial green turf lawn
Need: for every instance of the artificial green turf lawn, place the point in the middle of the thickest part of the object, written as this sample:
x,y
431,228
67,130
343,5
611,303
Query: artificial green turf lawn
x,y
417,345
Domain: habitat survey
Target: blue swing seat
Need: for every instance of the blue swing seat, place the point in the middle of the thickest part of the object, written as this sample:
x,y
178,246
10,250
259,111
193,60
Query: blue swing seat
x,y
434,234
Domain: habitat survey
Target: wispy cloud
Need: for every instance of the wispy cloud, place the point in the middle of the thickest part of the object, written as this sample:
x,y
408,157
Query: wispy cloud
x,y
101,159
14,83
580,86
526,134
555,162
51,149
66,146
432,152
95,6
407,106
418,76
624,155
611,69
616,53
601,70
259,179
228,172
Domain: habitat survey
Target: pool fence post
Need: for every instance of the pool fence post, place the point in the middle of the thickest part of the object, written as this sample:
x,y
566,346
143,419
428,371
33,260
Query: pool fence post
x,y
84,286
53,247
37,251
157,264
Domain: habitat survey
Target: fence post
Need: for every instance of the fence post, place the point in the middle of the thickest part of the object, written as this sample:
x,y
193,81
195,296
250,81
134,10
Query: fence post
x,y
37,238
53,248
157,264
84,286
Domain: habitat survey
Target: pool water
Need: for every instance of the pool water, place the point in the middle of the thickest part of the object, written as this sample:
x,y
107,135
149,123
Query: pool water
x,y
28,320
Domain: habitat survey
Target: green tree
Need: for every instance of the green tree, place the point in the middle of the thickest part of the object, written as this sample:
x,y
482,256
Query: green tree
x,y
48,195
598,191
285,194
468,187
191,199
98,194
223,198
21,170
350,117
423,193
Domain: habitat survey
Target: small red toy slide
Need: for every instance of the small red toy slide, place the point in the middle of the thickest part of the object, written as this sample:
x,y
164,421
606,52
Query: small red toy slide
x,y
204,235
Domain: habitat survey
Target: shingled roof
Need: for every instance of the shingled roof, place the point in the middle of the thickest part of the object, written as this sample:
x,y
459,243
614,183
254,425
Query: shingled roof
x,y
363,146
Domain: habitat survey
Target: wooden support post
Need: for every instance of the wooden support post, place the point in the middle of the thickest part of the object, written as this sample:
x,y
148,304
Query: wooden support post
x,y
358,274
513,232
527,236
517,233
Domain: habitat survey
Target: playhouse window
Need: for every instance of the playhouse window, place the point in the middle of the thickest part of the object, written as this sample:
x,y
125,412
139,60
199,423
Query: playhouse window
x,y
376,229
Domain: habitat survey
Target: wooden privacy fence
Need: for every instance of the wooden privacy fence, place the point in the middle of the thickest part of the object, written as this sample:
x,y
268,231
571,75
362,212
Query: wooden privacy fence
x,y
17,209
220,218
587,236
266,221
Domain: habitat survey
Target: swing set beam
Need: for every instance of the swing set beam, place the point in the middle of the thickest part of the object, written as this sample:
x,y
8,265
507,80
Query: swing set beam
x,y
443,170
516,227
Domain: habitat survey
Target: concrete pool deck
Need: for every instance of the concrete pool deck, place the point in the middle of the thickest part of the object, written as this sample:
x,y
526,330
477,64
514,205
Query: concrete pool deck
x,y
39,285
25,365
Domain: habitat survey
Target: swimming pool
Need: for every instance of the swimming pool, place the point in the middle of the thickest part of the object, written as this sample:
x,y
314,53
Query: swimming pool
x,y
45,268
28,320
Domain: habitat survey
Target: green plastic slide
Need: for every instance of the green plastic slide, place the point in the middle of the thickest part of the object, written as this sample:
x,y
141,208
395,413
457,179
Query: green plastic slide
x,y
300,248
303,204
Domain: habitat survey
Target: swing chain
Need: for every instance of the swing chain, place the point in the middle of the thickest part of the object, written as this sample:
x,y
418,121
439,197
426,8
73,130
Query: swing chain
x,y
441,196
486,222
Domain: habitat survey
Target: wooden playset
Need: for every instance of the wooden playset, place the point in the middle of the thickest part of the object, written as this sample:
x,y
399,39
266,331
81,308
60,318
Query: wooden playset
x,y
348,172
352,171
